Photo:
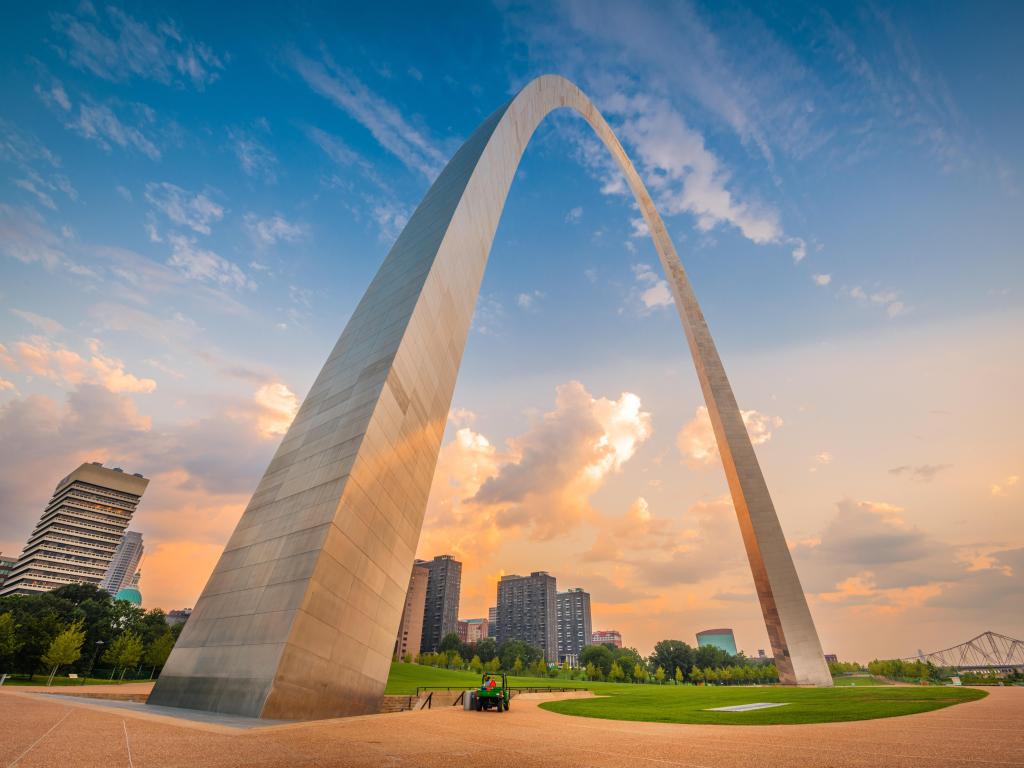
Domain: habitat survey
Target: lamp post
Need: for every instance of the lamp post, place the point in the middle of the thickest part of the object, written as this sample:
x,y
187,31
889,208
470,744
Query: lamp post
x,y
92,661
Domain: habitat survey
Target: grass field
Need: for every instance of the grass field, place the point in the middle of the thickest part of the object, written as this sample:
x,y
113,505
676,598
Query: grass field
x,y
41,680
687,704
847,680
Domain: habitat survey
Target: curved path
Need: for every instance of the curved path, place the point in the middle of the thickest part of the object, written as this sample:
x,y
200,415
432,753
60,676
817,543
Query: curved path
x,y
37,731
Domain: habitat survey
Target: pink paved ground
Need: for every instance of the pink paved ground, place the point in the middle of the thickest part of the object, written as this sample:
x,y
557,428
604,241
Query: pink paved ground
x,y
38,731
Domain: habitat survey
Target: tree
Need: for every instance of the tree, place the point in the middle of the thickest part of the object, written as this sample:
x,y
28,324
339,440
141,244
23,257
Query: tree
x,y
539,668
615,674
494,665
9,642
511,650
672,655
639,673
124,652
679,676
696,674
66,648
407,658
456,661
566,669
517,667
450,642
592,671
476,665
598,655
159,650
487,649
659,674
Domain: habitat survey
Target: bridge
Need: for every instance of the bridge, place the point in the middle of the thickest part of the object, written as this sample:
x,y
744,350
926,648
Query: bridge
x,y
988,652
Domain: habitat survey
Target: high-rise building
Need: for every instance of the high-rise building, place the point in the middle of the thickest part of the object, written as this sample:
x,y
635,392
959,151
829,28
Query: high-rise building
x,y
179,616
441,611
720,638
472,630
6,564
124,563
78,532
410,629
606,636
572,610
526,611
492,620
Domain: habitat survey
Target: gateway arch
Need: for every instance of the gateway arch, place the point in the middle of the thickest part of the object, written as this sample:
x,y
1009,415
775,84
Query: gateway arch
x,y
299,617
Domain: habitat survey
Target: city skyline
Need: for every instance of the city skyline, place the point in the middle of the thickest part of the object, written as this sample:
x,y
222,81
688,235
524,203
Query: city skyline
x,y
205,270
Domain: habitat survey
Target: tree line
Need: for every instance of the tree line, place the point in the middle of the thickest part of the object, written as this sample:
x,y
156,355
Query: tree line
x,y
672,661
76,628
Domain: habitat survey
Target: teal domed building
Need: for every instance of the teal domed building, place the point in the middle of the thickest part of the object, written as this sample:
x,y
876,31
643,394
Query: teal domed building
x,y
131,592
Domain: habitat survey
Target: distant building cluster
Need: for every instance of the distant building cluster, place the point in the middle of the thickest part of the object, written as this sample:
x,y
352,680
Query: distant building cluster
x,y
606,637
719,638
82,537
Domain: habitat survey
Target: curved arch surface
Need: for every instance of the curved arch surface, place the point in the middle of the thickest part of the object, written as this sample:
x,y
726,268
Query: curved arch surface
x,y
299,617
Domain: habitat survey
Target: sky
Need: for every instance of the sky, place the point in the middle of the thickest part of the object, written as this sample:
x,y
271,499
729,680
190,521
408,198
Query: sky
x,y
193,200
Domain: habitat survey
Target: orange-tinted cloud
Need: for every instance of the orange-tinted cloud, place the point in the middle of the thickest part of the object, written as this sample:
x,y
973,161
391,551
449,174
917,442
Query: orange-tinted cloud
x,y
39,356
696,440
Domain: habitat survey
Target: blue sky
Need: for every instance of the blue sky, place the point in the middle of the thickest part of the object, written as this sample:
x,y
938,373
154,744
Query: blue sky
x,y
193,199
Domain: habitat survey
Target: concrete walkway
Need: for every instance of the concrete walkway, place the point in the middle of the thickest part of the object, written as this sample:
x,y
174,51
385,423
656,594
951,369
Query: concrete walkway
x,y
42,730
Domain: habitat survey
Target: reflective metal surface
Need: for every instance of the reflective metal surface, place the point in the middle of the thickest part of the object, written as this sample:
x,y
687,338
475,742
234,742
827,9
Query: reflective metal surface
x,y
298,619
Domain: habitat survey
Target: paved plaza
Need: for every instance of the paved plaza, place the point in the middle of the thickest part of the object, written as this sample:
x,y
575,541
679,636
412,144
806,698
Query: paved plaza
x,y
39,730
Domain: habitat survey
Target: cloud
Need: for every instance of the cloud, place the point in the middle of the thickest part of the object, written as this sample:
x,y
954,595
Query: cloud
x,y
201,264
391,218
123,48
800,253
99,123
24,237
195,210
924,473
528,301
696,440
563,459
821,279
273,229
277,408
382,119
574,215
39,356
254,157
651,291
684,176
887,298
1003,488
47,325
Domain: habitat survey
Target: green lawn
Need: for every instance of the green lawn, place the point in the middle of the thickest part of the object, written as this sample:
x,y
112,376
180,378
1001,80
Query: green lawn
x,y
41,680
686,704
847,680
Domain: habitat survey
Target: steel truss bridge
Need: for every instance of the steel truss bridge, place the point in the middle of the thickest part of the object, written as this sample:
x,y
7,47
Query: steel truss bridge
x,y
988,652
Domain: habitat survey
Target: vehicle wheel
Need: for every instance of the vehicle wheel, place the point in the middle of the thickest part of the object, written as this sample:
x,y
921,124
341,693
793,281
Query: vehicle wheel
x,y
506,705
479,705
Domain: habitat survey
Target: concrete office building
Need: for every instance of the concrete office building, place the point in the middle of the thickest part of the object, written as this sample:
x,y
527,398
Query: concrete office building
x,y
441,608
606,636
6,563
572,609
410,629
720,638
327,540
527,612
125,562
79,531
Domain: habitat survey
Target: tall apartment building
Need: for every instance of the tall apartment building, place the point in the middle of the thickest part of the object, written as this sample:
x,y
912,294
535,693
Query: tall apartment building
x,y
441,610
6,563
410,630
605,636
526,611
124,563
79,531
572,610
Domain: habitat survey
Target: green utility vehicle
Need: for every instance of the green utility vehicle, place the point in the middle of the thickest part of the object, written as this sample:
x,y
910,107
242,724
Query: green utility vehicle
x,y
492,693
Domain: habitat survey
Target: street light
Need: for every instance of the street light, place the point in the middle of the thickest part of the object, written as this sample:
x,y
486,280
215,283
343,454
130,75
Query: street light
x,y
92,661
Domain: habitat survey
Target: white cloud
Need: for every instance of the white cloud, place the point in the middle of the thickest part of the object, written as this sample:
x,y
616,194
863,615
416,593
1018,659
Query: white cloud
x,y
255,158
574,215
205,265
391,218
651,290
1003,487
194,210
277,406
529,300
47,325
382,119
273,229
39,356
696,440
887,298
799,249
124,48
821,279
99,123
684,176
24,236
